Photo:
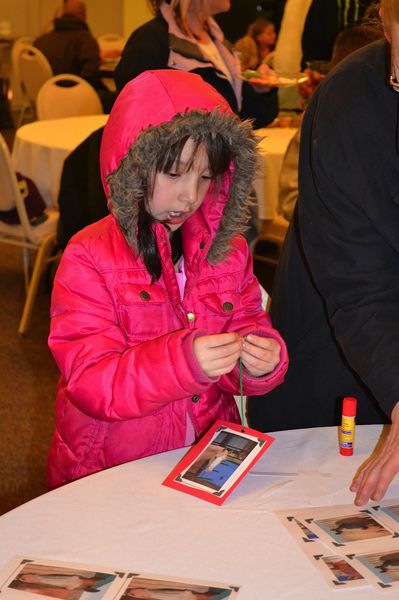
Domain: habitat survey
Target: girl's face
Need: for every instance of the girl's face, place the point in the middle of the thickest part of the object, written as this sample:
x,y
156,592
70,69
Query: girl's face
x,y
178,193
268,36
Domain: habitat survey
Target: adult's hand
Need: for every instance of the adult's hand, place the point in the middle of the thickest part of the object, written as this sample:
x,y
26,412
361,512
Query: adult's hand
x,y
260,355
217,354
373,479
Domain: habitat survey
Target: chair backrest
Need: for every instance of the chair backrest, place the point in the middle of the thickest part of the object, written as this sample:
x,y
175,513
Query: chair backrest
x,y
67,95
111,41
33,69
10,196
18,44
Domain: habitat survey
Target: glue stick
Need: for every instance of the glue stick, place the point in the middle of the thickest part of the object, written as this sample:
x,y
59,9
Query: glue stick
x,y
347,429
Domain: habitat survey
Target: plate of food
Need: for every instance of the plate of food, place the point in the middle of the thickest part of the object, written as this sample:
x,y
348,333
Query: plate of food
x,y
273,78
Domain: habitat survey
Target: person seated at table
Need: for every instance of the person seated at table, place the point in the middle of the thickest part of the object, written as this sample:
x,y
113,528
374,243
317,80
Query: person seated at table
x,y
183,35
71,48
336,291
257,45
154,306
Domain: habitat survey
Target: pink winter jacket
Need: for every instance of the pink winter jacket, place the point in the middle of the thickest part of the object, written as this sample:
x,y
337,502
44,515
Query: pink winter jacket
x,y
124,345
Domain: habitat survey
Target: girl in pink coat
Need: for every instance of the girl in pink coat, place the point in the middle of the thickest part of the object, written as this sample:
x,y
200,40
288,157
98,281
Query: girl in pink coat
x,y
154,306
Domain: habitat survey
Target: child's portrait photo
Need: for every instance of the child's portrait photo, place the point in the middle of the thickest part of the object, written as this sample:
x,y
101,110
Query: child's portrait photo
x,y
62,582
353,528
217,463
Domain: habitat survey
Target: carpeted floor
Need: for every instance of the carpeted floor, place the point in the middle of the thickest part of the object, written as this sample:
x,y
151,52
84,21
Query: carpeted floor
x,y
28,377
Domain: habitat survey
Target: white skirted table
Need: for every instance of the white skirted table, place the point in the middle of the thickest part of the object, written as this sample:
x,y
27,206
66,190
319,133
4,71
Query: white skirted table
x,y
41,147
124,517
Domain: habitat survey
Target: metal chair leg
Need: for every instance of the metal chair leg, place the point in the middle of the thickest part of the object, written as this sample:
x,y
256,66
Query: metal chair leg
x,y
40,261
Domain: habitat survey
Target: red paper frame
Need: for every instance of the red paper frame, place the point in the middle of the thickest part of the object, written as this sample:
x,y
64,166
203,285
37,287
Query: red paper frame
x,y
174,479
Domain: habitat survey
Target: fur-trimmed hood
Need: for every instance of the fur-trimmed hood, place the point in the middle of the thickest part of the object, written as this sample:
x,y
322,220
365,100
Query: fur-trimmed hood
x,y
150,111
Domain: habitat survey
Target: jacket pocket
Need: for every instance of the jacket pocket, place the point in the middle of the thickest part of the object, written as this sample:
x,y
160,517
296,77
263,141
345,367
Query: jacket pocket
x,y
223,304
143,310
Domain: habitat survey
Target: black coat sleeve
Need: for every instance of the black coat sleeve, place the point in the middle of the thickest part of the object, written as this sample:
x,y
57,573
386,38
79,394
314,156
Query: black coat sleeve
x,y
146,49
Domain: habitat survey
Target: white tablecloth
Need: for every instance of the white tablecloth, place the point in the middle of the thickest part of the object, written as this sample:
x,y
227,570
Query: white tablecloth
x,y
272,148
41,147
125,518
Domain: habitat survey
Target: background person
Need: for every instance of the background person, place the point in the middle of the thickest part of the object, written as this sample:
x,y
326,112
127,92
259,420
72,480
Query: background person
x,y
153,306
183,35
71,48
258,43
339,268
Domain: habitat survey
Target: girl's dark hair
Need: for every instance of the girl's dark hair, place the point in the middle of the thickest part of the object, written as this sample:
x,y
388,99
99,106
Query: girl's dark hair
x,y
219,155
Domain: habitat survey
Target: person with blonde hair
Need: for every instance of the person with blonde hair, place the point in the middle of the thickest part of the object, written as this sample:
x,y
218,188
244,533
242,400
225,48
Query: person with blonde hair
x,y
183,35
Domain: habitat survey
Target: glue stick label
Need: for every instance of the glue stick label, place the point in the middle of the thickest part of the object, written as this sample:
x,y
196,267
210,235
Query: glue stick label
x,y
347,432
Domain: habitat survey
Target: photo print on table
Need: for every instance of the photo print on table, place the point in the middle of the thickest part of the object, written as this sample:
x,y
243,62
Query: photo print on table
x,y
29,577
380,568
388,512
216,464
338,571
342,526
148,586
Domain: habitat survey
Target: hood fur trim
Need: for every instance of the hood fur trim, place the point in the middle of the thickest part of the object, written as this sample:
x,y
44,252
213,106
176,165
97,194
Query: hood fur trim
x,y
129,183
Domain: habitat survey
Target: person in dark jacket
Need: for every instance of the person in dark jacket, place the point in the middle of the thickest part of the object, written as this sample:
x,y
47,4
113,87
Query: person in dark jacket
x,y
71,48
183,35
336,293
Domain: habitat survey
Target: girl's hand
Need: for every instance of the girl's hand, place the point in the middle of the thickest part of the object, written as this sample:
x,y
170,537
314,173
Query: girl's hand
x,y
217,354
260,355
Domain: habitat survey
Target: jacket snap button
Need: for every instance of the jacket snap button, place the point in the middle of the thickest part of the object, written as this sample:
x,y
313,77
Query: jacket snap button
x,y
195,398
227,306
202,245
145,295
191,317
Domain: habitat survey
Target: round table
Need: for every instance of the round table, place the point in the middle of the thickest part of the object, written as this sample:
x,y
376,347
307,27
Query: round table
x,y
125,518
41,147
272,146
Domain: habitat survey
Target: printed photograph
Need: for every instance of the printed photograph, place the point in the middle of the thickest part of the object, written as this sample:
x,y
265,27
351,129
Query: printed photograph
x,y
353,528
158,589
341,569
217,463
383,565
61,582
391,511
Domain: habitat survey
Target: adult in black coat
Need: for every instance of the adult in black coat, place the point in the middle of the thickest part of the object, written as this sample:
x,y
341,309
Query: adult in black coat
x,y
336,294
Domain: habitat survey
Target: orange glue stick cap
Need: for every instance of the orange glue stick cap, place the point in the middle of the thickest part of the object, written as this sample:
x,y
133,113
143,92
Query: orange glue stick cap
x,y
349,406
347,429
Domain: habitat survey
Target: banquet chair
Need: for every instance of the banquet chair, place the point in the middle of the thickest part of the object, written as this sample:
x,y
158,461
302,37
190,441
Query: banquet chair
x,y
19,93
111,45
33,70
37,238
67,95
